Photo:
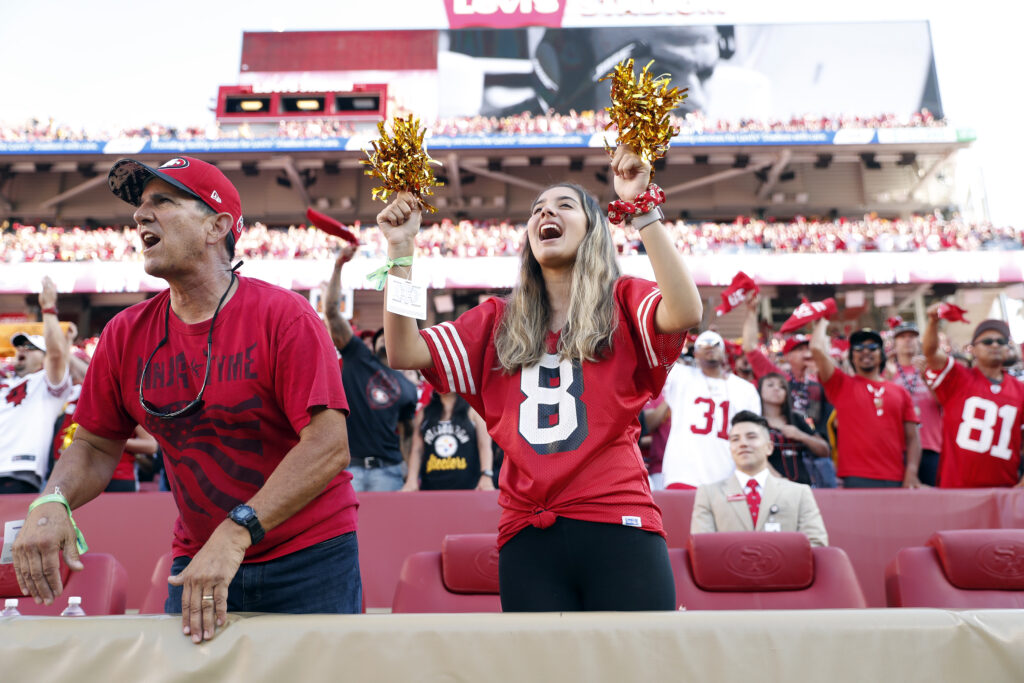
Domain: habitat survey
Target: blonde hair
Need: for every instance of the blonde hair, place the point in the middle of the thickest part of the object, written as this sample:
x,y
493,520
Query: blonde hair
x,y
592,318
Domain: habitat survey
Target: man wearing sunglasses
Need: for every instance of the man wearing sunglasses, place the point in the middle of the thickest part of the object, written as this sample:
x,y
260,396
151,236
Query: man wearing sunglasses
x,y
238,381
879,445
981,408
31,398
702,400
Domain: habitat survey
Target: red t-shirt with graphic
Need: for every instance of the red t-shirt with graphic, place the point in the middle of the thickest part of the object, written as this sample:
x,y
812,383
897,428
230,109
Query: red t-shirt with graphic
x,y
272,363
871,417
981,423
569,430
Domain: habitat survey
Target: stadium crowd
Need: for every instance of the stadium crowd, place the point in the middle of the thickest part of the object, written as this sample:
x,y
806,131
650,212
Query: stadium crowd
x,y
464,238
553,123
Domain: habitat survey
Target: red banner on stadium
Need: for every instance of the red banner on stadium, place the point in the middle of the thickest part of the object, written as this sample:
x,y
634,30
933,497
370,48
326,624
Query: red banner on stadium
x,y
504,13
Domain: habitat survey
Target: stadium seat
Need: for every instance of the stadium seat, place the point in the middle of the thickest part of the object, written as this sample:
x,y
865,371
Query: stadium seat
x,y
156,596
758,570
962,569
102,585
463,577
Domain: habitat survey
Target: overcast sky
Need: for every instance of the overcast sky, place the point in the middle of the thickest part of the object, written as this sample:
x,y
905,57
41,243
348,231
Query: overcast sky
x,y
116,64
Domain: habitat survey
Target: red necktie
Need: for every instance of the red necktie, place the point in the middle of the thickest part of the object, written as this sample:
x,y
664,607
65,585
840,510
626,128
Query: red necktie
x,y
753,500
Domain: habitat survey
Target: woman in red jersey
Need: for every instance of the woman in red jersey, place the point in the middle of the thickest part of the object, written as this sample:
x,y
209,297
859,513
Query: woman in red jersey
x,y
559,371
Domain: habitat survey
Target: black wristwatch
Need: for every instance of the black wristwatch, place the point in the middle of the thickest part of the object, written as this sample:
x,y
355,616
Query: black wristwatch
x,y
243,515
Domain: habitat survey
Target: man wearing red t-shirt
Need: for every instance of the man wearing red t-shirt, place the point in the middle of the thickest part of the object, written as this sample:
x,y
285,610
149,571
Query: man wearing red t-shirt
x,y
879,446
981,408
240,387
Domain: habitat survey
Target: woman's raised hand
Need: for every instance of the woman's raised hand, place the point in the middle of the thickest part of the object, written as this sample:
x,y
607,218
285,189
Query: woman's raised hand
x,y
400,221
632,174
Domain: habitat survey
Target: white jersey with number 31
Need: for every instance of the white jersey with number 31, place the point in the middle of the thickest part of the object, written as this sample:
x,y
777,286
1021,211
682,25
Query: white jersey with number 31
x,y
702,407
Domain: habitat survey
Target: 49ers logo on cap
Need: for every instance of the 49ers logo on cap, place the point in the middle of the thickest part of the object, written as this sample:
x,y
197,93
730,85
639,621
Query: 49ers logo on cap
x,y
176,162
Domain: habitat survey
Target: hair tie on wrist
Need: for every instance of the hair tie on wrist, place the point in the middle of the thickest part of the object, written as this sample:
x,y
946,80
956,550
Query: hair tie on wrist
x,y
52,310
621,211
379,276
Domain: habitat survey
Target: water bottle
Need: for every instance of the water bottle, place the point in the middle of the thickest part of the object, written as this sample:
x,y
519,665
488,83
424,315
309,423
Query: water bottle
x,y
74,608
10,608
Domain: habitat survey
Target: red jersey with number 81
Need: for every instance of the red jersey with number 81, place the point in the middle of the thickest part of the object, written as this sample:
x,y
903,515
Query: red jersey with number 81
x,y
981,423
569,430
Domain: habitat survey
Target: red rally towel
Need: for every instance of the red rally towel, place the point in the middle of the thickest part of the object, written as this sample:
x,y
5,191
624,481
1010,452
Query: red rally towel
x,y
742,288
331,226
952,313
808,311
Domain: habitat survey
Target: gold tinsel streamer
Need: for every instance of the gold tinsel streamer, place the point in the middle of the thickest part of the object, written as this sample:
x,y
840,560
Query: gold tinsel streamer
x,y
69,436
401,162
640,109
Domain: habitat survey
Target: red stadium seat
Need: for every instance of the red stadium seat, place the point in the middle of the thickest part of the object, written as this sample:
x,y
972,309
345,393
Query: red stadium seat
x,y
962,569
463,577
758,570
153,603
102,585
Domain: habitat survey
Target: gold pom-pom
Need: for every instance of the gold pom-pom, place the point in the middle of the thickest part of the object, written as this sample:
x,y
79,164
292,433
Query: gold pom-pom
x,y
640,109
401,161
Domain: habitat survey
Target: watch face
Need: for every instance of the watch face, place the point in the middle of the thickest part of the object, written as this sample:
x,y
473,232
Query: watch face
x,y
243,514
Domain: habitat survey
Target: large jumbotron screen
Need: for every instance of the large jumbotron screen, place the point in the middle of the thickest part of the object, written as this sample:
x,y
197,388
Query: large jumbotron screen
x,y
733,71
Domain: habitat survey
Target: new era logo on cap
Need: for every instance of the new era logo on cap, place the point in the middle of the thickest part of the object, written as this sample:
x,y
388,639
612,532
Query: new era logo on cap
x,y
177,162
128,178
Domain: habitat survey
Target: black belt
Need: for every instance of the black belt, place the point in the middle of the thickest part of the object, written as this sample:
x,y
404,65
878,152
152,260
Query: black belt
x,y
371,462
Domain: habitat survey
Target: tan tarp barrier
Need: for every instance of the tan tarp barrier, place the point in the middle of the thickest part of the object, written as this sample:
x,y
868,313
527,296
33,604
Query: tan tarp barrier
x,y
837,646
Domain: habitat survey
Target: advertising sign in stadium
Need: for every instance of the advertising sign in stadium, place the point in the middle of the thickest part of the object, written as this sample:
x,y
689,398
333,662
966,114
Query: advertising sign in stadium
x,y
458,14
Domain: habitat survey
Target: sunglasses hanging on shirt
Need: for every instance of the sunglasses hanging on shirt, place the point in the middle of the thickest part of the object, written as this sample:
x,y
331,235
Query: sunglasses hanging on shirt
x,y
196,404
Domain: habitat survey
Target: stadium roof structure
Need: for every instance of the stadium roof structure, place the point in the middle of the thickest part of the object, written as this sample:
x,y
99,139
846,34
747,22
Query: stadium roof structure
x,y
717,176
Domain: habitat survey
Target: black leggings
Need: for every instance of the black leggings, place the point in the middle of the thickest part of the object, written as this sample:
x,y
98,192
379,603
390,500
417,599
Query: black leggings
x,y
577,566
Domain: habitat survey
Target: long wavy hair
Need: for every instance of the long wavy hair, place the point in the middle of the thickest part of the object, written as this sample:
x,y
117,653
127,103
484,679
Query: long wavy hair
x,y
592,318
787,403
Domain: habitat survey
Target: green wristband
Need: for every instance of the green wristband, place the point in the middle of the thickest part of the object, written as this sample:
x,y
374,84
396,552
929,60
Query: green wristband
x,y
80,543
378,276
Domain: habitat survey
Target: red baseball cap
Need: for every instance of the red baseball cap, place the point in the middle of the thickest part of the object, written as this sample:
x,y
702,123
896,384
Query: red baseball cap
x,y
128,178
795,341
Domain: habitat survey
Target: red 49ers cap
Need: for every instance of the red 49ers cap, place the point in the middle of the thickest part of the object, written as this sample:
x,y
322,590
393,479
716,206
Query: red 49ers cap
x,y
205,182
795,341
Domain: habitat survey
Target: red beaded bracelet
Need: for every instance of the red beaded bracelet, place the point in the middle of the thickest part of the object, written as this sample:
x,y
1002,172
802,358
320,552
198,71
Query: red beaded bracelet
x,y
646,201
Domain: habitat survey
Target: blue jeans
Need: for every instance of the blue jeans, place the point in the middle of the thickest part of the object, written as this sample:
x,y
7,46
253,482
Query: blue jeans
x,y
320,579
387,478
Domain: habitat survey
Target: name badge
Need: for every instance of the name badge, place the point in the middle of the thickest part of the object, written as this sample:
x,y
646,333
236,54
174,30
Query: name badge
x,y
772,526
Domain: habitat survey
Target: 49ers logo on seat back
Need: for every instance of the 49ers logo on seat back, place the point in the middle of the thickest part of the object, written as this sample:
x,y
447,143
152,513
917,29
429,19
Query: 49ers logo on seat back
x,y
504,13
175,164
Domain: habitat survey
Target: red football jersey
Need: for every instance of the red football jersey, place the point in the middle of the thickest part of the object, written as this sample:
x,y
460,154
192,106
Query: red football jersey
x,y
273,361
981,424
569,430
871,417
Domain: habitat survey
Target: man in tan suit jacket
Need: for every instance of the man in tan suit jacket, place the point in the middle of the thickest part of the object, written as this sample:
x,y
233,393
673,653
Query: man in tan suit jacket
x,y
784,504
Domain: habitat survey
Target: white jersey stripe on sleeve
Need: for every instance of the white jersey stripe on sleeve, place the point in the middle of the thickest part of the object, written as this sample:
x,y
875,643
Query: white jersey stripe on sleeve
x,y
445,362
643,313
447,333
463,355
934,380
